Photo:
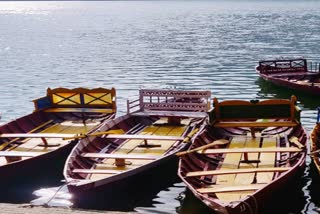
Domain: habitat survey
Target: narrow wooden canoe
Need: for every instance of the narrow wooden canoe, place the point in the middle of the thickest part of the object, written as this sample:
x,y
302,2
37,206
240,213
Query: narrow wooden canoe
x,y
109,168
34,145
315,143
248,151
291,73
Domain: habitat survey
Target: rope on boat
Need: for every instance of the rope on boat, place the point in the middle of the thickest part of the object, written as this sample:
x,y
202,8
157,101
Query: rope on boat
x,y
54,195
252,210
255,204
249,207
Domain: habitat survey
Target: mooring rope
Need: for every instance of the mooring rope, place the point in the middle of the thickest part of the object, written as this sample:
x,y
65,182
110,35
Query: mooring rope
x,y
46,204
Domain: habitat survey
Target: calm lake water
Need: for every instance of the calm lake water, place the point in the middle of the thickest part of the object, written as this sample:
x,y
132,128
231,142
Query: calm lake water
x,y
192,45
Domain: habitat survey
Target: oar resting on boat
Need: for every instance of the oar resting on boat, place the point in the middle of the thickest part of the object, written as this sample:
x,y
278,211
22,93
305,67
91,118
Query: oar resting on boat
x,y
214,143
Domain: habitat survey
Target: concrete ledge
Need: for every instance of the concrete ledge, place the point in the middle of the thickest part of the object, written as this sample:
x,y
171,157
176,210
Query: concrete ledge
x,y
30,209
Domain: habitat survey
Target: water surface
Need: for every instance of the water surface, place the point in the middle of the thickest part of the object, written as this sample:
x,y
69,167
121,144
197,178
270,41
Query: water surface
x,y
192,45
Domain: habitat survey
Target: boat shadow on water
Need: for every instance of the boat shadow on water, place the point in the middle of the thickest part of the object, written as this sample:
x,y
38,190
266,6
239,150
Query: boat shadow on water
x,y
21,190
49,190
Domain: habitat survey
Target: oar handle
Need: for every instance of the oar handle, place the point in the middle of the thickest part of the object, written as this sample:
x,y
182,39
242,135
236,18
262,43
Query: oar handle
x,y
190,135
76,136
314,152
214,143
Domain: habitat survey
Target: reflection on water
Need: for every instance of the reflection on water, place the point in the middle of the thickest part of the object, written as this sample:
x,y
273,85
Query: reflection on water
x,y
269,90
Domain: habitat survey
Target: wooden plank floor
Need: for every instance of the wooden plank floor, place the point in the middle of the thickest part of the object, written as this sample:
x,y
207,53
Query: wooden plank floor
x,y
231,161
159,127
267,160
248,178
66,127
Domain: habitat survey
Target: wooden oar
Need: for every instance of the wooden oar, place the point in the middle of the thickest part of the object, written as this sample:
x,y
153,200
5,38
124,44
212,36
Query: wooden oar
x,y
214,143
190,135
78,136
314,152
295,141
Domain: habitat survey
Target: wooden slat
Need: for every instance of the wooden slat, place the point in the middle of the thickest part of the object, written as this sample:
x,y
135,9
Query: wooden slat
x,y
93,110
19,154
235,171
143,137
256,124
248,178
172,114
4,145
36,135
267,160
230,162
223,188
97,171
109,136
120,156
125,148
250,150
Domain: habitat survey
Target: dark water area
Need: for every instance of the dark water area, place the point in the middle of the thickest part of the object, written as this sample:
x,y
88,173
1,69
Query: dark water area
x,y
192,45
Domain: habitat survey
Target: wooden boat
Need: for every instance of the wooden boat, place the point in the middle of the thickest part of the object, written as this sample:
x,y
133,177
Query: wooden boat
x,y
315,143
34,144
248,151
136,151
291,73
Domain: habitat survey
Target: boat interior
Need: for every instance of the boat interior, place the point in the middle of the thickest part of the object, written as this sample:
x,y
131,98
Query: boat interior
x,y
238,154
62,111
105,157
146,134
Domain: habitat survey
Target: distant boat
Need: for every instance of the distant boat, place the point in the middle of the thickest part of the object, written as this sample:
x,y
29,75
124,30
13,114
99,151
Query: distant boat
x,y
291,73
246,155
135,152
34,144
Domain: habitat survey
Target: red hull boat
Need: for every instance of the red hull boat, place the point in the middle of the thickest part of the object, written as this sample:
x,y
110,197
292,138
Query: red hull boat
x,y
249,151
291,73
315,143
33,144
135,152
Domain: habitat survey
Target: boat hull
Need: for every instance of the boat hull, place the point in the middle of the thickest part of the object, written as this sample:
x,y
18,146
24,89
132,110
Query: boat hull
x,y
256,202
240,161
292,85
129,189
140,160
315,146
24,177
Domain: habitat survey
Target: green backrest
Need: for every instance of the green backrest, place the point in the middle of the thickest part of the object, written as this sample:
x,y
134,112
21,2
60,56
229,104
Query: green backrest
x,y
254,110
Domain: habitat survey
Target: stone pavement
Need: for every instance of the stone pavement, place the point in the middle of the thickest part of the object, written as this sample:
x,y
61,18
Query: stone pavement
x,y
29,209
